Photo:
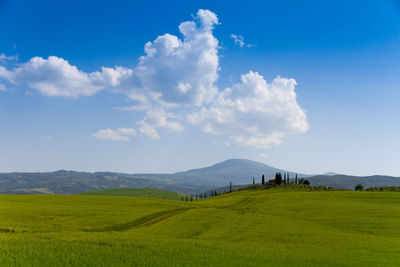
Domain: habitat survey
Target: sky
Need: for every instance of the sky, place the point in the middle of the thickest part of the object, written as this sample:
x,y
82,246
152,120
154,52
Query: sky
x,y
166,86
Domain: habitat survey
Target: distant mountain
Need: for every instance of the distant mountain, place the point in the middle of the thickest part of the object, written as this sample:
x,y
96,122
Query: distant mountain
x,y
330,173
349,182
237,171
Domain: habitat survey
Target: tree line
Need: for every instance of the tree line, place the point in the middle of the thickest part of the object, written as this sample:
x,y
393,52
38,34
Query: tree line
x,y
278,180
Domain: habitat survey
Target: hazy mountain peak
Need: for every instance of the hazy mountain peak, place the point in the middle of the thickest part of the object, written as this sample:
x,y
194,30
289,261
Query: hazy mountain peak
x,y
239,162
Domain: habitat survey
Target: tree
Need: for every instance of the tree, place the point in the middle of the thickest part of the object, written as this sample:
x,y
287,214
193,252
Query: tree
x,y
278,178
295,179
301,181
263,179
284,178
306,182
359,187
254,182
230,186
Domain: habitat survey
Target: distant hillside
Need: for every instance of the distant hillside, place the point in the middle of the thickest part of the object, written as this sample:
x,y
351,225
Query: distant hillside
x,y
239,171
349,182
71,182
135,192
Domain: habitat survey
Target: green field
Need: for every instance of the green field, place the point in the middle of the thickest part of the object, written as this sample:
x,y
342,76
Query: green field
x,y
136,192
246,228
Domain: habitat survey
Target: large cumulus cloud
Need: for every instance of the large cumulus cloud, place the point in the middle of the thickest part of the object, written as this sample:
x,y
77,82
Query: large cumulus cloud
x,y
177,73
254,112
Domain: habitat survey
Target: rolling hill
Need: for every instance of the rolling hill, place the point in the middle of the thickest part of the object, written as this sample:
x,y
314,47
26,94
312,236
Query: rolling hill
x,y
245,228
135,192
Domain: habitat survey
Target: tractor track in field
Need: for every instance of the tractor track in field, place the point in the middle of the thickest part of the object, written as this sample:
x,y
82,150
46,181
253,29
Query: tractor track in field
x,y
147,220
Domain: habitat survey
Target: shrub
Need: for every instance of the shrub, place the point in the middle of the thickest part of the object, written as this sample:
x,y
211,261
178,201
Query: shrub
x,y
359,187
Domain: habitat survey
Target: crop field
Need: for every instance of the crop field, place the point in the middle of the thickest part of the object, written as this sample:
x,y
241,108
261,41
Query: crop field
x,y
245,228
136,192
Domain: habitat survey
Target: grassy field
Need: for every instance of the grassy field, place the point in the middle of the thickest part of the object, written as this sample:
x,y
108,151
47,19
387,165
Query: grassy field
x,y
246,228
136,192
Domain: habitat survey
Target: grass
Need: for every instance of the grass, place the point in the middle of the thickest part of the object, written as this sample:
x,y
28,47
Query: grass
x,y
245,228
136,192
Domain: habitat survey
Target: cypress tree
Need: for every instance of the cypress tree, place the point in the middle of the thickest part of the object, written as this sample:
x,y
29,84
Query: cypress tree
x,y
230,186
263,179
296,179
278,179
254,183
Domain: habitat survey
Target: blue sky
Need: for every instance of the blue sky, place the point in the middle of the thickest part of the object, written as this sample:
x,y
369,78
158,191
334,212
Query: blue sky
x,y
66,112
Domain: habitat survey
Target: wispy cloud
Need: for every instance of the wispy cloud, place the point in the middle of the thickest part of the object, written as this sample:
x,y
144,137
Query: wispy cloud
x,y
3,57
239,40
121,134
3,87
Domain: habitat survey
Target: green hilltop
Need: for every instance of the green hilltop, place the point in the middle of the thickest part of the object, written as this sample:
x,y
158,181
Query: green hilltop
x,y
258,227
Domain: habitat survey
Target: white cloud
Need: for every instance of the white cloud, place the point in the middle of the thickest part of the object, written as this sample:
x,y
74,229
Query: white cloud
x,y
57,77
121,134
3,87
172,72
177,75
238,39
262,155
158,118
253,112
3,57
181,71
148,130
